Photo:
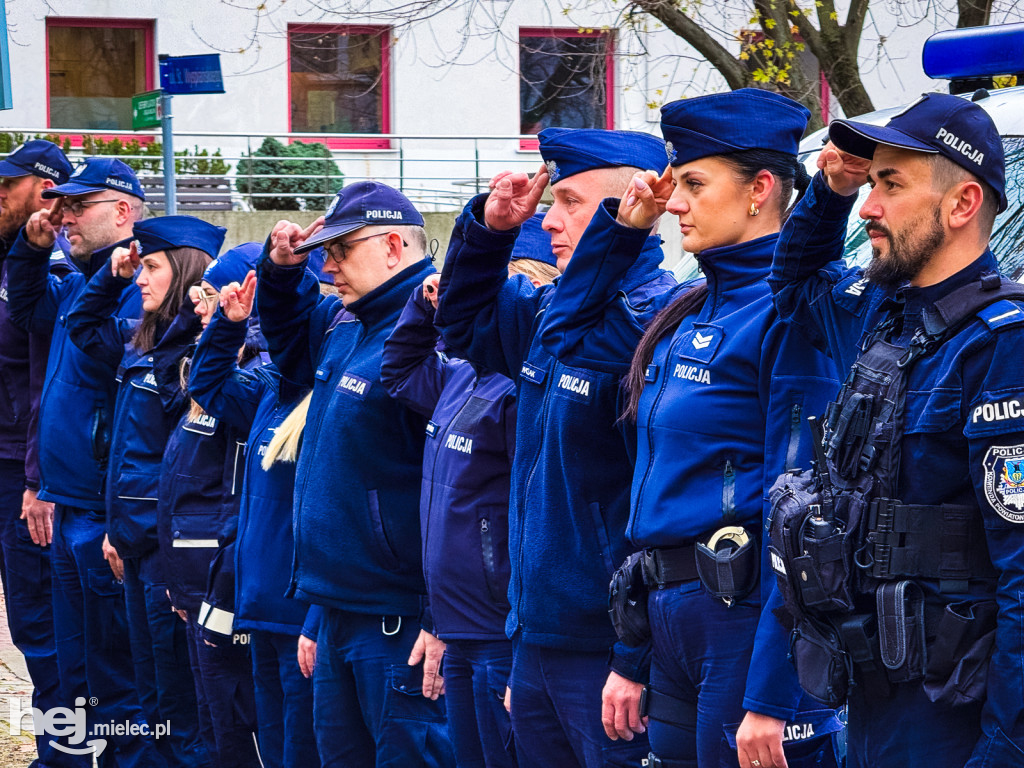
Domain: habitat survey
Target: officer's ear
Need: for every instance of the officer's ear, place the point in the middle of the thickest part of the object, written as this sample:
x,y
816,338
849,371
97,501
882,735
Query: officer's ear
x,y
42,186
396,249
963,202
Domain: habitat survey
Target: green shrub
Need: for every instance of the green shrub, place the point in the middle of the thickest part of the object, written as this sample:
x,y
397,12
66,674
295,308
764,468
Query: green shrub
x,y
312,159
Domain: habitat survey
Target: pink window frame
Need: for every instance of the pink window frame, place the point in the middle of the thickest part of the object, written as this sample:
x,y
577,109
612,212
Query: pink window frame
x,y
146,25
609,69
385,77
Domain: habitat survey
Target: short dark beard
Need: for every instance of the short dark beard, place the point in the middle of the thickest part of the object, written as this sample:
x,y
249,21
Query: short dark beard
x,y
910,250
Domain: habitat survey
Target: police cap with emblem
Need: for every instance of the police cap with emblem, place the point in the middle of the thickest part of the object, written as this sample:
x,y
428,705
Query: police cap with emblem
x,y
364,204
568,151
165,232
38,158
533,242
723,123
938,124
98,173
233,265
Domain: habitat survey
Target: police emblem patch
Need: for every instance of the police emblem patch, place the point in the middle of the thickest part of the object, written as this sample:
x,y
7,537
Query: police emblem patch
x,y
79,170
670,151
138,246
552,167
1004,481
332,206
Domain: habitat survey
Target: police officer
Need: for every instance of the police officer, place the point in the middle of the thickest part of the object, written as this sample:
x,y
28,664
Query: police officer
x,y
716,389
571,472
28,171
927,490
167,257
356,525
97,208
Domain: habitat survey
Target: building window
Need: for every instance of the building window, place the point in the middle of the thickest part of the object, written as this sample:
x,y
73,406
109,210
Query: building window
x,y
566,79
94,66
339,82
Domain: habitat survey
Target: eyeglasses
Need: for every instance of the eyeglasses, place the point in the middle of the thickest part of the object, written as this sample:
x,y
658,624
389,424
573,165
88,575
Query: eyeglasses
x,y
197,293
338,250
77,207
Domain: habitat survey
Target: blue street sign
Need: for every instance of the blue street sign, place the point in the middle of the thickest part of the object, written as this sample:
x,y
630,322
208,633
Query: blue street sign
x,y
191,74
6,101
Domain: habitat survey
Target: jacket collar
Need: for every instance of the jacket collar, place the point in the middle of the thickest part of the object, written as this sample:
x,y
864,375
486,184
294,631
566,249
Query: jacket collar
x,y
646,266
383,304
739,265
915,297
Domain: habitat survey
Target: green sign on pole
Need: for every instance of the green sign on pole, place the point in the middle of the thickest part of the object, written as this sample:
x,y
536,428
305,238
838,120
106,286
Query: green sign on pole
x,y
146,110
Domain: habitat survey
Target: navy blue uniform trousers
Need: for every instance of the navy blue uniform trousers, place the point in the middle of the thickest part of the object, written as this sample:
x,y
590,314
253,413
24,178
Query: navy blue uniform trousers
x,y
91,628
162,666
284,703
27,588
556,705
476,673
369,707
227,711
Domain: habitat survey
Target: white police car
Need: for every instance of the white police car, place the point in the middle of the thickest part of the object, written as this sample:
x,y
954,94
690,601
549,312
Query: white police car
x,y
968,58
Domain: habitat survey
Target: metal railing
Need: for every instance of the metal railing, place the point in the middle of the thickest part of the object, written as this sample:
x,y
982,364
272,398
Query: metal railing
x,y
437,172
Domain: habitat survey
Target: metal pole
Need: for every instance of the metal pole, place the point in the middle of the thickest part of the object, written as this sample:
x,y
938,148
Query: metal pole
x,y
170,186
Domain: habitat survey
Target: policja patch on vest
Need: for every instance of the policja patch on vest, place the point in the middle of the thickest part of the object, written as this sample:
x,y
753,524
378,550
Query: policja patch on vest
x,y
1004,481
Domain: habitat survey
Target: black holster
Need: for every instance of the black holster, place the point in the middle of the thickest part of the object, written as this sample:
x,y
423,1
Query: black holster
x,y
627,602
730,573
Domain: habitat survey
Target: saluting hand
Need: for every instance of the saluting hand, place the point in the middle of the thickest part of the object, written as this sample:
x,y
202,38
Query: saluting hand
x,y
430,290
645,199
236,301
42,226
844,172
514,198
286,236
124,261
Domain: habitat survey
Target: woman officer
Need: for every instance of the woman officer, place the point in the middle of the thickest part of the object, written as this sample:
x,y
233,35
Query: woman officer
x,y
717,390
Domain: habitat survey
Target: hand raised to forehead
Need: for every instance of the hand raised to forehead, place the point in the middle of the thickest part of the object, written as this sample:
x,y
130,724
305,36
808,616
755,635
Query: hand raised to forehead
x,y
645,199
286,236
514,198
844,172
43,225
236,301
124,261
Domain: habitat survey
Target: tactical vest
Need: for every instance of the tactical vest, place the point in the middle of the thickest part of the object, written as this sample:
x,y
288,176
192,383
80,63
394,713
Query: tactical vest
x,y
848,555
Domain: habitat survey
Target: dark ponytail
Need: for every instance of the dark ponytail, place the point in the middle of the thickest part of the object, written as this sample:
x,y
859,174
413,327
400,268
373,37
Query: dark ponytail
x,y
664,324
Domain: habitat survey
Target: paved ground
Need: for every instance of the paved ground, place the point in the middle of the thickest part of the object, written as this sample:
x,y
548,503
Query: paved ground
x,y
15,751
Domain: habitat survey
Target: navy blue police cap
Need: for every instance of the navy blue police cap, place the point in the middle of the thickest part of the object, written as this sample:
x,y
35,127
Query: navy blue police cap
x,y
98,173
568,151
38,157
364,204
165,232
533,242
938,124
735,121
233,265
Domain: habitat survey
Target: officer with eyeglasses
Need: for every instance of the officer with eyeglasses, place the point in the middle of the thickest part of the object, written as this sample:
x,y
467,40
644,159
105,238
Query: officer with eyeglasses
x,y
96,209
357,481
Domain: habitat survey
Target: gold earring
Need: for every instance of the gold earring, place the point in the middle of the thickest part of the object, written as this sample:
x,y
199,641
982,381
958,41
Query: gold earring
x,y
754,210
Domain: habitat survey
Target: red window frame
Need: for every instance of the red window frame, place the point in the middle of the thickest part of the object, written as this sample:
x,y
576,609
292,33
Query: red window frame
x,y
146,25
609,68
385,77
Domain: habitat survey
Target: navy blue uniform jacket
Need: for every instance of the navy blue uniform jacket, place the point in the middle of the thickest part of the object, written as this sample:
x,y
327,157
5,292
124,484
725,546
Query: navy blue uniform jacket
x,y
722,411
357,527
257,401
22,374
77,404
963,416
149,402
466,464
571,473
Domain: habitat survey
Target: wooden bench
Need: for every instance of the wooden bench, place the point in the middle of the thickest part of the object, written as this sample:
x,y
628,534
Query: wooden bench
x,y
195,193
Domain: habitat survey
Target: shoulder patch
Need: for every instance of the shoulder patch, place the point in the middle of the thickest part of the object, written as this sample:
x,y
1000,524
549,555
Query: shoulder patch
x,y
1004,481
1002,314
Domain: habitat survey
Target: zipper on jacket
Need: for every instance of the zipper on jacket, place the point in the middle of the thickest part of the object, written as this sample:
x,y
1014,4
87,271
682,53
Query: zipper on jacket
x,y
794,436
728,492
487,547
522,518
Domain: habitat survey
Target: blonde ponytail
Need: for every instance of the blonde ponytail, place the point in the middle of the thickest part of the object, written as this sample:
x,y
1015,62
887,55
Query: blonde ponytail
x,y
285,444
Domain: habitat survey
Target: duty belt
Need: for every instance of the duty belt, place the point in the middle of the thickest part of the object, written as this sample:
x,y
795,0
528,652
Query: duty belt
x,y
665,567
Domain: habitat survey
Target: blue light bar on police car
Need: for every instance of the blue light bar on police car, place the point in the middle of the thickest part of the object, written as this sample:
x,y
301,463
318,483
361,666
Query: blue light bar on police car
x,y
975,52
